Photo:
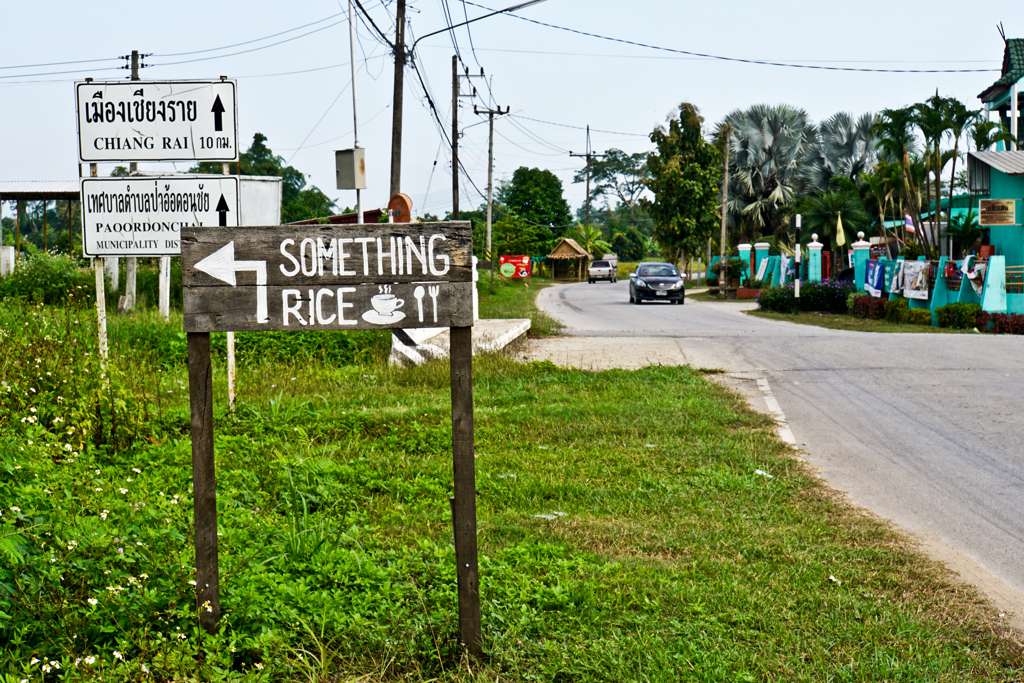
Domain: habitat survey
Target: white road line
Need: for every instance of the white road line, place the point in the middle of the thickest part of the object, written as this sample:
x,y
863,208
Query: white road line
x,y
776,410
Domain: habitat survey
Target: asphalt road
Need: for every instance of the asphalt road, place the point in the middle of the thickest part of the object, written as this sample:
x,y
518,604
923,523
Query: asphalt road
x,y
926,430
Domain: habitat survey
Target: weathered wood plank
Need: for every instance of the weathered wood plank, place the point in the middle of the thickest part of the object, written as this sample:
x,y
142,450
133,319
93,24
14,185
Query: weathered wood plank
x,y
353,307
325,255
204,481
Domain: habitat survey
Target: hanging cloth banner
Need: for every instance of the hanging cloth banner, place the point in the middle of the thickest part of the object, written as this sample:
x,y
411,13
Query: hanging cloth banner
x,y
874,278
896,282
915,279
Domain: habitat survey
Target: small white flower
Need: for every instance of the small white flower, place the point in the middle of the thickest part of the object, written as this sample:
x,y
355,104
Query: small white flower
x,y
118,655
123,491
191,583
258,665
90,660
93,601
15,508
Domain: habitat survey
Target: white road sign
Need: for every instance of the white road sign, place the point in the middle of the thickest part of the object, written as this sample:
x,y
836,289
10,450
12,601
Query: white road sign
x,y
157,121
143,216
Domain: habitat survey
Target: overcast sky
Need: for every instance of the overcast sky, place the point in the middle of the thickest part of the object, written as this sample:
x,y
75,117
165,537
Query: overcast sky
x,y
298,93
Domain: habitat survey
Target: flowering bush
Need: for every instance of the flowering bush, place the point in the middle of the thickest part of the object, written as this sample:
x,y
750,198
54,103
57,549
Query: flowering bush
x,y
1001,323
827,296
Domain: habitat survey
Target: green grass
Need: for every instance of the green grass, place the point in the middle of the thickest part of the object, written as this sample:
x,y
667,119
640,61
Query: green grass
x,y
515,298
848,322
625,532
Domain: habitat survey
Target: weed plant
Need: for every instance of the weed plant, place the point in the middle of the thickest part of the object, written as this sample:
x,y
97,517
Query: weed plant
x,y
655,531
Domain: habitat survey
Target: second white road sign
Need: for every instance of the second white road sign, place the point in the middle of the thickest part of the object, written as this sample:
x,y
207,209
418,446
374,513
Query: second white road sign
x,y
157,121
143,216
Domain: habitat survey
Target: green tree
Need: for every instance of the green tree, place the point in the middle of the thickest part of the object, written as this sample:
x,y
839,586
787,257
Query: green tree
x,y
298,202
821,214
513,236
684,177
618,175
985,134
535,196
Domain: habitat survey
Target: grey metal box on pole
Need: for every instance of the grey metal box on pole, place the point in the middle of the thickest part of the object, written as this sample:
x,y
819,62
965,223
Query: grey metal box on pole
x,y
350,168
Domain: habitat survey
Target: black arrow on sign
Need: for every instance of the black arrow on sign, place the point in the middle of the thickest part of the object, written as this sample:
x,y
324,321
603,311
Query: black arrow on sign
x,y
218,110
222,209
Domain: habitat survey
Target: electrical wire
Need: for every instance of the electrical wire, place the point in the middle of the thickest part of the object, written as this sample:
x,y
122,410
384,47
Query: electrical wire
x,y
319,121
80,61
596,130
364,13
738,59
255,49
472,47
255,40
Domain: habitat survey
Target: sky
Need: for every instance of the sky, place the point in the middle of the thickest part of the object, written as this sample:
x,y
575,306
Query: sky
x,y
291,62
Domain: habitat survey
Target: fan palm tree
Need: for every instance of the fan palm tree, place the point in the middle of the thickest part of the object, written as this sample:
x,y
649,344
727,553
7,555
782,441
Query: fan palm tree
x,y
768,149
822,213
847,147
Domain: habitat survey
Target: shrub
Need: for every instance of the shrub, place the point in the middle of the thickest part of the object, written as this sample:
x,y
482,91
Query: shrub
x,y
960,316
919,316
897,310
1001,323
48,279
825,297
870,307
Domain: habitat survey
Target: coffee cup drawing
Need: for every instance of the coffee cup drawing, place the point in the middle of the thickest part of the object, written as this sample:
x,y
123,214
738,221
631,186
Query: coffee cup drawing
x,y
385,304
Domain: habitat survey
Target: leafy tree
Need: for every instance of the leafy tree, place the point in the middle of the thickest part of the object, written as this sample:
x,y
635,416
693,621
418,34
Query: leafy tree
x,y
684,177
120,172
618,175
631,245
768,151
298,202
512,236
963,231
535,196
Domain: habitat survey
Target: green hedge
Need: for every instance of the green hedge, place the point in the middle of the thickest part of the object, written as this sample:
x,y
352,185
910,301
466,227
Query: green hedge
x,y
960,316
826,296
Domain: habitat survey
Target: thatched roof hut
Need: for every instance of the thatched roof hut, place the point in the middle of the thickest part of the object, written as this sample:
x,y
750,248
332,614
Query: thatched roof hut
x,y
569,253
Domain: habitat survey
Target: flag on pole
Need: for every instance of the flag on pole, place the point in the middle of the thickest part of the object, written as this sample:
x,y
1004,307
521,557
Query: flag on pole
x,y
910,224
840,234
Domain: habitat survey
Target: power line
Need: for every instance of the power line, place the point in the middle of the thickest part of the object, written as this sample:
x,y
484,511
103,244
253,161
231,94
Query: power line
x,y
80,61
472,47
255,49
255,40
596,130
739,59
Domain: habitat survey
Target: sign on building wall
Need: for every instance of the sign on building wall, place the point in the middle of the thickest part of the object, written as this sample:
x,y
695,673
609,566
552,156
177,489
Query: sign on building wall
x,y
328,277
127,121
144,216
998,212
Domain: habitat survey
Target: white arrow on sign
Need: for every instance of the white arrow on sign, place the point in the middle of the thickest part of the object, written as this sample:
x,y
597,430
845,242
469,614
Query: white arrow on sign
x,y
222,265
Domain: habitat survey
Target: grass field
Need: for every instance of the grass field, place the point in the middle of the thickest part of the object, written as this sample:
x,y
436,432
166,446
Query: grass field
x,y
633,526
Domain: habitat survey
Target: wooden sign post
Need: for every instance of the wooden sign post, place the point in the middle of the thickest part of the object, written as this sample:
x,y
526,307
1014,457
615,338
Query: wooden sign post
x,y
330,277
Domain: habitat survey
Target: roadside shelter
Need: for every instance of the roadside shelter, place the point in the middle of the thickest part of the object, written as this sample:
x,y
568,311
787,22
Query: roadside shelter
x,y
568,256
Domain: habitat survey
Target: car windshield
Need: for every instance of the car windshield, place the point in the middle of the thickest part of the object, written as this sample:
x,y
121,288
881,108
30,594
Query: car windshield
x,y
658,270
600,264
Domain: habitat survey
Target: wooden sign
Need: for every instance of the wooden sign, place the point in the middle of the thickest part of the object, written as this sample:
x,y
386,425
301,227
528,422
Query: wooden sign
x,y
997,212
327,277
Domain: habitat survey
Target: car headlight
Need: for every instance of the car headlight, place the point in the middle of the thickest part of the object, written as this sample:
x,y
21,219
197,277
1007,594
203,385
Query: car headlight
x,y
678,285
640,283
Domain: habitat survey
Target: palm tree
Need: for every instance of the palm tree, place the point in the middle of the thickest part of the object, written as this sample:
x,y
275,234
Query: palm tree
x,y
847,147
985,134
958,118
963,231
931,120
591,239
768,149
822,212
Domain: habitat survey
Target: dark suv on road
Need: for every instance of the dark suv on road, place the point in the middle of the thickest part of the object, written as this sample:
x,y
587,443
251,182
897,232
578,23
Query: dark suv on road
x,y
656,282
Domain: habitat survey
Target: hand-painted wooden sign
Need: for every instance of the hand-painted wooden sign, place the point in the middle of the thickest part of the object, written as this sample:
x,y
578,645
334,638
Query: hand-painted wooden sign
x,y
328,277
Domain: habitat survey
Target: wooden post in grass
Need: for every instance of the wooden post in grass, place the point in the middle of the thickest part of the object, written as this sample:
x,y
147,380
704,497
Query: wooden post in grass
x,y
204,481
464,503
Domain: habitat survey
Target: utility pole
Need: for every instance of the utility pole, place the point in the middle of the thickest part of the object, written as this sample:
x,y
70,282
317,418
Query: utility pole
x,y
725,198
355,99
132,263
396,106
589,155
490,177
456,94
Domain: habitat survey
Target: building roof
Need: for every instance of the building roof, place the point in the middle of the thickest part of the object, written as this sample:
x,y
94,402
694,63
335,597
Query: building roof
x,y
568,248
34,190
1010,163
1013,70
